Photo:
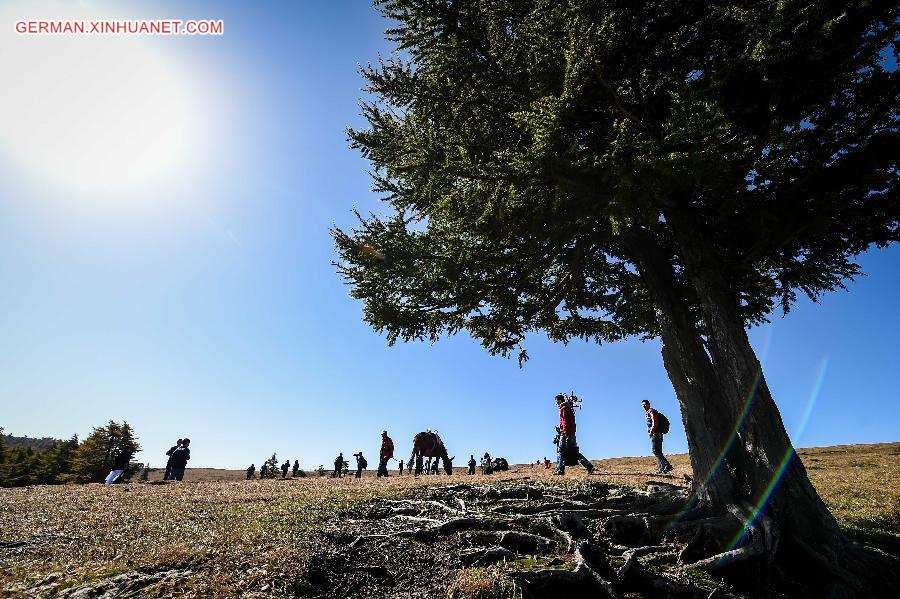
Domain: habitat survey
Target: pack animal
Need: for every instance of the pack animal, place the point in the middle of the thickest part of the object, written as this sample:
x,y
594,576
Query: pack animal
x,y
429,445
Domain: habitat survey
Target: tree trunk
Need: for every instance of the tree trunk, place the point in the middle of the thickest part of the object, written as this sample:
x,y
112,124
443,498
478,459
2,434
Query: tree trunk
x,y
704,411
777,480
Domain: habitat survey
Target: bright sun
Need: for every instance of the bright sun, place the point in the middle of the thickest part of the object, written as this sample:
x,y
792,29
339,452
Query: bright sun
x,y
93,113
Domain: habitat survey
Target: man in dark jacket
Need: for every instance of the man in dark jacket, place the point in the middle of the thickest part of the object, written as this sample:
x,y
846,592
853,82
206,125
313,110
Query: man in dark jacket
x,y
251,471
284,468
180,459
119,467
472,463
566,430
338,466
169,453
296,468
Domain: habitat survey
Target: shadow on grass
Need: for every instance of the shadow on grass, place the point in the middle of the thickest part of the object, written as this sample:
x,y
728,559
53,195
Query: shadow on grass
x,y
882,533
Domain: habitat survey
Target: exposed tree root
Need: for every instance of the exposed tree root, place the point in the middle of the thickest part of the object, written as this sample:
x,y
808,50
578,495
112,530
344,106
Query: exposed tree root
x,y
601,541
540,580
761,534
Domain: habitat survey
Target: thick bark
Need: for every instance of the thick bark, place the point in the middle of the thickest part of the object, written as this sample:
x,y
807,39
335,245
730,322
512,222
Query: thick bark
x,y
777,481
705,413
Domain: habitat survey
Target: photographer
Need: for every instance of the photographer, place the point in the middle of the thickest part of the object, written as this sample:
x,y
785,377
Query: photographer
x,y
361,464
565,438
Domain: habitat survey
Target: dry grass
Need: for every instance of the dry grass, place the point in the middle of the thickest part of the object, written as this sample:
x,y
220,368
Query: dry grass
x,y
859,483
238,536
482,583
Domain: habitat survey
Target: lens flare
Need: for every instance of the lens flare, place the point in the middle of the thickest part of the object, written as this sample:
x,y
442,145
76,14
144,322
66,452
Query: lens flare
x,y
767,344
717,464
766,495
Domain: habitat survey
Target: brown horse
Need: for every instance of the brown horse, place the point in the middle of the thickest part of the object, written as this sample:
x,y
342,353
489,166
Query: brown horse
x,y
429,445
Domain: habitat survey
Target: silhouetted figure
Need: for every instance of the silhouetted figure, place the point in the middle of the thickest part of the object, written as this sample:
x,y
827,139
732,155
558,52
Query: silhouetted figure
x,y
284,468
386,453
472,464
361,464
169,453
434,466
264,471
487,466
180,459
401,467
251,471
119,466
427,468
296,468
338,465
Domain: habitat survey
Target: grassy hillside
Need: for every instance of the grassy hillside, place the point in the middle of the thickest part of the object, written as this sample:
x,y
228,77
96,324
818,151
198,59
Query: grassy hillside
x,y
235,536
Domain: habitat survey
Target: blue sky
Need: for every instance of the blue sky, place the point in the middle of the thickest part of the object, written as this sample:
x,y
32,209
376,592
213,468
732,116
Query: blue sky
x,y
195,296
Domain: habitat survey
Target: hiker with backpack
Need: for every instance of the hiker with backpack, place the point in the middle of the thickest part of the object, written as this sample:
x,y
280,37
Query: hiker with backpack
x,y
657,426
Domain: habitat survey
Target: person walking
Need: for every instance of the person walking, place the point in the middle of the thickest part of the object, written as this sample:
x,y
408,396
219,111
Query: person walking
x,y
472,464
401,467
657,426
296,468
338,466
284,468
567,442
119,466
180,459
169,453
386,453
251,471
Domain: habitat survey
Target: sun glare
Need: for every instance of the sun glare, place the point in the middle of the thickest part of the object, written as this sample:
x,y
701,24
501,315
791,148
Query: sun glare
x,y
91,113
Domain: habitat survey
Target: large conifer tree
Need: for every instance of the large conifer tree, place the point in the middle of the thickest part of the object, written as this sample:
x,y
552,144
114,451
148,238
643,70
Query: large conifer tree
x,y
672,170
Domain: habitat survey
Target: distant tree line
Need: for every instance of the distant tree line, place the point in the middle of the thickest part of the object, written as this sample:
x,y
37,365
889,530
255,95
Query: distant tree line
x,y
25,461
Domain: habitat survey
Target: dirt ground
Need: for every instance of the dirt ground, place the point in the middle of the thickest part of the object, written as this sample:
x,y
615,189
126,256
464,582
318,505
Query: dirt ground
x,y
217,534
